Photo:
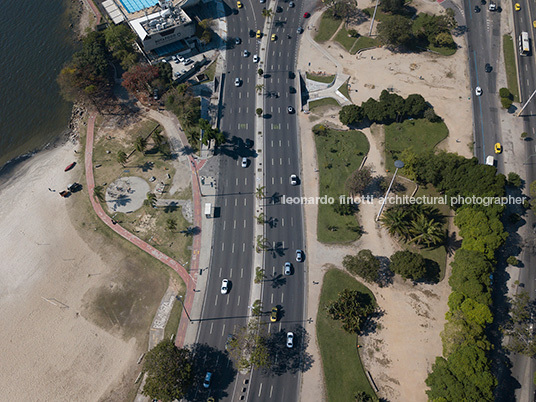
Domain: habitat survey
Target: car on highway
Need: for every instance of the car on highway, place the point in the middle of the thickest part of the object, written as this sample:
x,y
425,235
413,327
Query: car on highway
x,y
258,34
245,53
492,6
534,24
263,1
278,9
498,148
208,377
478,91
288,268
290,109
488,68
306,15
238,4
290,340
224,286
256,58
299,255
188,61
517,7
299,30
291,4
293,180
244,162
273,314
238,41
477,9
237,82
274,37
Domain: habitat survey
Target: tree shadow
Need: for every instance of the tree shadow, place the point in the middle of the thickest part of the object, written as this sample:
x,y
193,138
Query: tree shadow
x,y
209,359
289,360
277,280
452,243
385,275
147,166
277,250
171,207
272,222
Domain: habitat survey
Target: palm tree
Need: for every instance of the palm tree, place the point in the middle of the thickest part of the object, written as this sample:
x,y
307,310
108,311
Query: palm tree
x,y
259,193
171,224
397,221
157,138
98,193
267,13
259,88
260,218
121,157
426,231
141,143
151,200
262,243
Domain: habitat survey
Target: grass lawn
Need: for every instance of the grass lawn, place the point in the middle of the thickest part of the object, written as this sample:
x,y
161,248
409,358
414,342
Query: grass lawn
x,y
420,134
323,102
339,154
380,15
174,318
444,51
343,89
343,371
211,71
509,52
344,39
327,79
363,42
328,26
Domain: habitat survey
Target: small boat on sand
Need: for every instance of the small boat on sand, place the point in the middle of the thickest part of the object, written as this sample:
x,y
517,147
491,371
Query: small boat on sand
x,y
69,167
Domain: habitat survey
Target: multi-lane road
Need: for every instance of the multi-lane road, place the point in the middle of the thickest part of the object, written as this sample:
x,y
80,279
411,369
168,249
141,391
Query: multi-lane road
x,y
233,237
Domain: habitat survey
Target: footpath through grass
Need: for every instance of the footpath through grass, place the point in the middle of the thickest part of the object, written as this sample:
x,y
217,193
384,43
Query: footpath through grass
x,y
363,42
420,134
328,26
509,53
343,370
339,154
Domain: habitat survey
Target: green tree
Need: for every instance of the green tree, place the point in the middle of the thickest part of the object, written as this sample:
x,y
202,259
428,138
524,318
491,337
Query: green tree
x,y
258,111
256,308
121,157
426,231
393,6
138,79
260,71
150,200
158,138
259,88
267,12
358,181
350,114
98,193
249,348
140,144
169,372
364,264
262,244
408,265
470,275
259,275
520,327
343,209
395,30
514,180
352,308
397,221
259,192
120,41
171,224
444,39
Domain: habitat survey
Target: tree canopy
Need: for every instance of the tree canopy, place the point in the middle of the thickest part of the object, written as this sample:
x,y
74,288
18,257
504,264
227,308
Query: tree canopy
x,y
352,307
169,372
408,265
364,264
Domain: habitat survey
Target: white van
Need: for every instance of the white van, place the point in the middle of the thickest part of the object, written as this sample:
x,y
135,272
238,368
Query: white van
x,y
208,210
490,160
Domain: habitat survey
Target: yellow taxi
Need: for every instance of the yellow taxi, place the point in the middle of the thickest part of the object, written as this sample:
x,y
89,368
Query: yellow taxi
x,y
534,24
517,7
273,315
498,148
239,4
274,37
259,34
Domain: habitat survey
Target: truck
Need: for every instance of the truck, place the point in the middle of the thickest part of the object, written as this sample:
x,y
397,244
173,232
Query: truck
x,y
490,160
208,210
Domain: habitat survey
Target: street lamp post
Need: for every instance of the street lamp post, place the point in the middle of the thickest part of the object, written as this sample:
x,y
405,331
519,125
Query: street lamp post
x,y
399,165
184,307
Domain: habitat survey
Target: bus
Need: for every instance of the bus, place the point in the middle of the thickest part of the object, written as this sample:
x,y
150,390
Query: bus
x,y
524,44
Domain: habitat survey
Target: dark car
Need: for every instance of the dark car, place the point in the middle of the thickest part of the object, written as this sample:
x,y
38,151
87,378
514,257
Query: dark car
x,y
249,143
299,30
488,68
306,15
477,9
278,9
238,41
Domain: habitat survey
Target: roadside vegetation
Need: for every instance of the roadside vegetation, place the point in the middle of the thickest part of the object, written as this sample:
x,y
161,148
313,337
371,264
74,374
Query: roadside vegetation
x,y
509,53
340,153
323,103
327,27
343,371
327,79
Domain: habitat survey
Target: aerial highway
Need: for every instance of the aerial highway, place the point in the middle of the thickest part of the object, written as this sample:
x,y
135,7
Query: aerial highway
x,y
233,236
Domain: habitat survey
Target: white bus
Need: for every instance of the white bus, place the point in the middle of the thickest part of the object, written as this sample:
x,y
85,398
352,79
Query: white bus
x,y
524,44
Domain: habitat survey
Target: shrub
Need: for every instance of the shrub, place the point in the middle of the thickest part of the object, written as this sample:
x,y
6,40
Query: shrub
x,y
514,180
505,93
506,103
512,261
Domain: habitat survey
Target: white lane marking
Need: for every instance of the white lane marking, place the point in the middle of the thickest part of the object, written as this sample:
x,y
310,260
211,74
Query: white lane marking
x,y
240,95
245,201
238,303
215,303
271,389
224,222
282,297
272,184
211,326
230,273
245,223
280,161
279,142
222,246
234,224
237,177
281,180
223,330
278,110
236,201
272,161
232,249
291,221
241,274
260,390
289,161
246,179
228,300
272,299
288,126
219,276
272,143
226,202
243,247
282,221
273,270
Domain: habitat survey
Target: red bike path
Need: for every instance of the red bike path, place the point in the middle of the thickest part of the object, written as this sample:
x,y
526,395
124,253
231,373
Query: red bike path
x,y
189,279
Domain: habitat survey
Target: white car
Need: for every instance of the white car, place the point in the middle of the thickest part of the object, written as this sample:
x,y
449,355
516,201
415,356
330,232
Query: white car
x,y
255,58
224,286
290,110
180,58
290,340
237,82
299,255
244,162
288,268
293,179
188,61
246,53
478,91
